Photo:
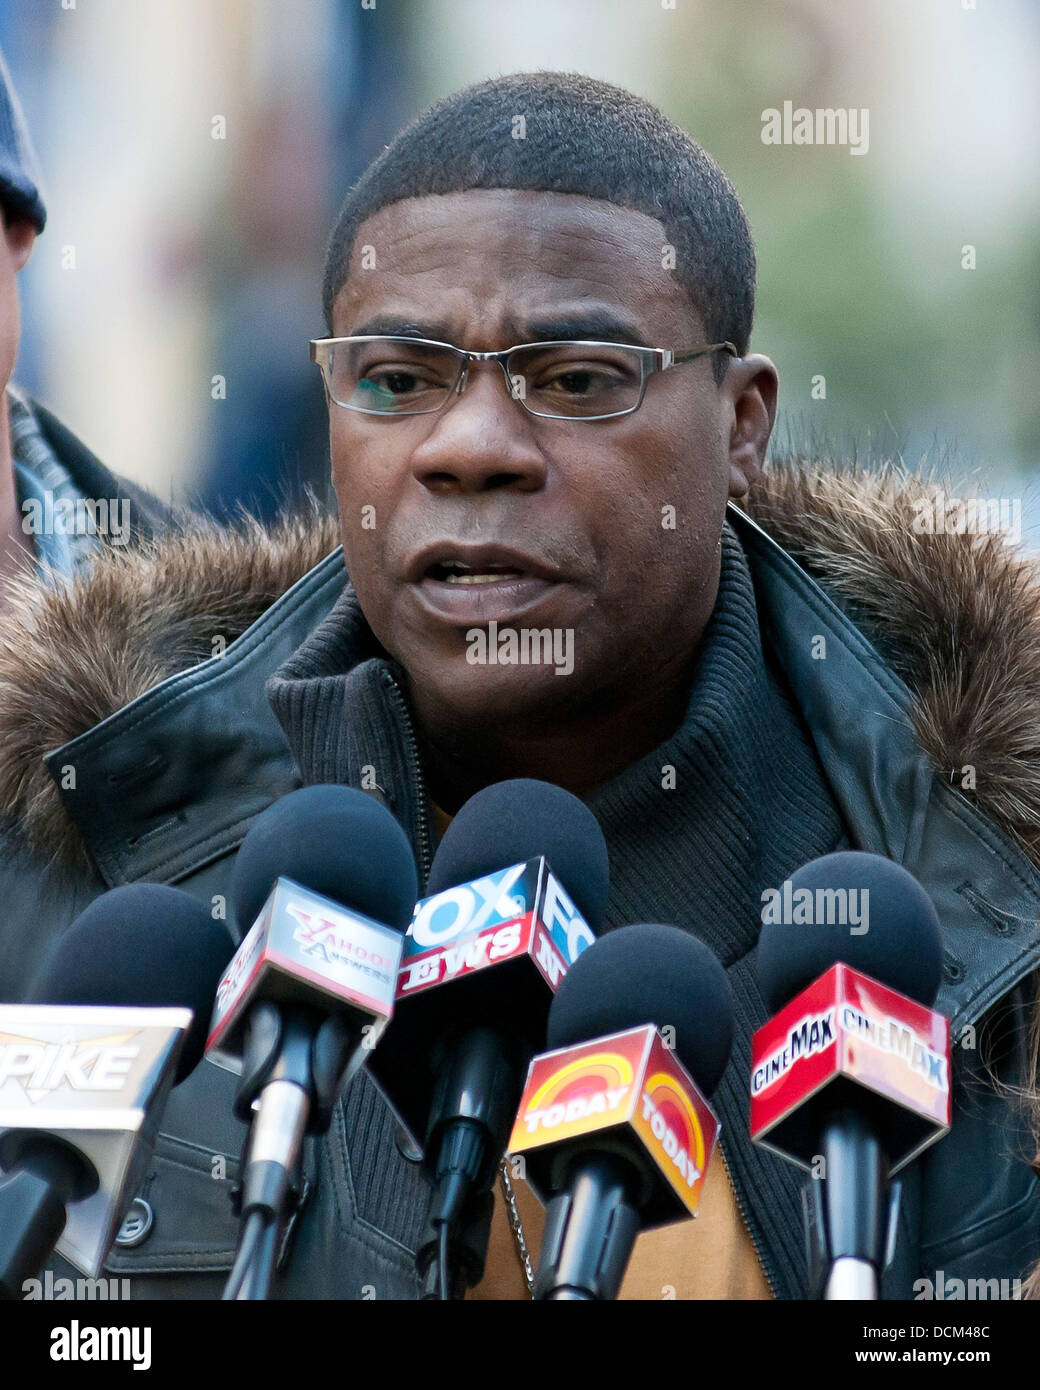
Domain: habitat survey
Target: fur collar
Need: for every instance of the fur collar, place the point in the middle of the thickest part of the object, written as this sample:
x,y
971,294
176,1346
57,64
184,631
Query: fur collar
x,y
957,616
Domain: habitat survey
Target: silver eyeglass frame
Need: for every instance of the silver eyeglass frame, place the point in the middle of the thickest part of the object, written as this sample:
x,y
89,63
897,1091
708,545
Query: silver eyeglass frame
x,y
653,360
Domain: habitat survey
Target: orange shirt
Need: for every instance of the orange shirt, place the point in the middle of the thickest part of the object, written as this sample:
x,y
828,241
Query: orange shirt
x,y
709,1257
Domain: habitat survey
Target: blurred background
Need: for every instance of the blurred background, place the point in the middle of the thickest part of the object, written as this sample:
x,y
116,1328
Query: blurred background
x,y
167,307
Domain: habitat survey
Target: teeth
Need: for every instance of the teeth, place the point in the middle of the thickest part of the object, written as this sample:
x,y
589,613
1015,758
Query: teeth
x,y
476,578
458,572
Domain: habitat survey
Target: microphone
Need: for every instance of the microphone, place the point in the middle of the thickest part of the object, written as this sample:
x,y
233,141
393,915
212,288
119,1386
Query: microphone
x,y
614,1132
85,1071
484,952
323,887
855,1067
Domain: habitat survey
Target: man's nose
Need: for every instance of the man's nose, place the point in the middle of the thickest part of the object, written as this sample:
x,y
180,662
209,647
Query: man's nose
x,y
482,439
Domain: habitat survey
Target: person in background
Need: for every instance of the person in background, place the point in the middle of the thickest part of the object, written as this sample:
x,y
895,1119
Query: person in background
x,y
57,501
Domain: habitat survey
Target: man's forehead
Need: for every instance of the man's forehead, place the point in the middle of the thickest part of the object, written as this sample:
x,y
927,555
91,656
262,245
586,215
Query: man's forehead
x,y
512,258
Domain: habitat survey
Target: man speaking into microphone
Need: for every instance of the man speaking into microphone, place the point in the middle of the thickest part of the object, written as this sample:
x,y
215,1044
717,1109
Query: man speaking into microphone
x,y
543,405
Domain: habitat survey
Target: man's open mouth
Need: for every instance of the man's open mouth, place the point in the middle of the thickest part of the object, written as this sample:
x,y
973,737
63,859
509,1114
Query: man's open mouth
x,y
462,562
472,584
456,572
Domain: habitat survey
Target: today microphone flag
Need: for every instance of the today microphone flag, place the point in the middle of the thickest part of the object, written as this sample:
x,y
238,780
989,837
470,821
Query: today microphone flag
x,y
848,1030
630,1087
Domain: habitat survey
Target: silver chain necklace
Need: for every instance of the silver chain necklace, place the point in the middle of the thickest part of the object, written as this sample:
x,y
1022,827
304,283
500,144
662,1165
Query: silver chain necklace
x,y
517,1225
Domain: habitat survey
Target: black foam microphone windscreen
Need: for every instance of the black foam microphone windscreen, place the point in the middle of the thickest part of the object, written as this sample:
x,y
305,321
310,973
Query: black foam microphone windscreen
x,y
649,973
336,841
509,822
898,941
144,945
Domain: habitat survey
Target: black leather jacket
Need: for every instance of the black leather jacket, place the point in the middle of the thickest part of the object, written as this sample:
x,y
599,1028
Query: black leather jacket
x,y
167,787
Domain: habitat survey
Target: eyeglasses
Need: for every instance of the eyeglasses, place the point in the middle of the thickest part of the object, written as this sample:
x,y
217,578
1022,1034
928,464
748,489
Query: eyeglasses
x,y
572,380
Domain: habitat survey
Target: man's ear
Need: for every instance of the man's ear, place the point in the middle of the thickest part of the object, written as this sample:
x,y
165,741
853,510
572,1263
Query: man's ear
x,y
20,235
750,385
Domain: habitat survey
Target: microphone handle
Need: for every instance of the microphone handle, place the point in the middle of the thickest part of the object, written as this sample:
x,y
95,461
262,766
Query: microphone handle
x,y
467,1250
48,1175
277,1072
590,1229
855,1207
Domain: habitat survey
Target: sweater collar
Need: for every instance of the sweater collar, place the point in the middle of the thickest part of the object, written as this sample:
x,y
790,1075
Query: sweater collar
x,y
730,801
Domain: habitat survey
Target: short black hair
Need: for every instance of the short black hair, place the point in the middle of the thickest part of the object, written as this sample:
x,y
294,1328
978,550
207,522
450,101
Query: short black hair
x,y
581,136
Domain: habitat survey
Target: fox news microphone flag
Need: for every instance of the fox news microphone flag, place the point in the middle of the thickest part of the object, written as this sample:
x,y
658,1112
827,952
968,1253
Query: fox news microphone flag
x,y
85,1072
855,1067
517,889
614,1132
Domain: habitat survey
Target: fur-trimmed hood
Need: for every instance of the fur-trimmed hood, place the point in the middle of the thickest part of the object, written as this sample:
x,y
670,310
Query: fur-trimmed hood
x,y
957,616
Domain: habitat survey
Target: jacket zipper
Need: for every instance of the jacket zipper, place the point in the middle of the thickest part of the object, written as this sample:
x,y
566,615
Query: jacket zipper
x,y
748,1224
422,827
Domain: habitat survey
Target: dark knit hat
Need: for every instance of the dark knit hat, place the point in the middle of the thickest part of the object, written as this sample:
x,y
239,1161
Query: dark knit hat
x,y
19,176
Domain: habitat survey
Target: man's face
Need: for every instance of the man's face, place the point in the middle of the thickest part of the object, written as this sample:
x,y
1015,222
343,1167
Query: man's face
x,y
608,530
